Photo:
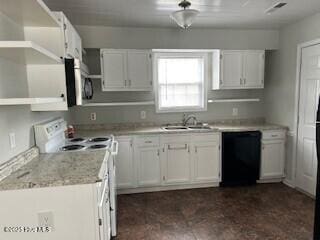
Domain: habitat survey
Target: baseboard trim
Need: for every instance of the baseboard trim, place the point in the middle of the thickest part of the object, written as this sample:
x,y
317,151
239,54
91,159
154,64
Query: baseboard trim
x,y
271,180
289,183
165,188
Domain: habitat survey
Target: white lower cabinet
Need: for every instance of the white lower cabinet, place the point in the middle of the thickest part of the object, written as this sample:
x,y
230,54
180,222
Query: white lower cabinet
x,y
147,157
125,166
272,155
168,160
206,158
176,162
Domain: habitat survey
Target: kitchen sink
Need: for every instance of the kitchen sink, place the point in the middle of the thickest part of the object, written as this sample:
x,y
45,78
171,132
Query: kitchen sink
x,y
186,128
175,128
199,127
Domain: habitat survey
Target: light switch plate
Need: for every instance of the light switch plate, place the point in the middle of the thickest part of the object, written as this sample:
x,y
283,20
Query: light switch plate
x,y
12,139
143,115
93,116
235,111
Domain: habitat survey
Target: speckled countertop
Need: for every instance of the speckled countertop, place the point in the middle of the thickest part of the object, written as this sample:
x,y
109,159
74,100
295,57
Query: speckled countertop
x,y
57,169
127,130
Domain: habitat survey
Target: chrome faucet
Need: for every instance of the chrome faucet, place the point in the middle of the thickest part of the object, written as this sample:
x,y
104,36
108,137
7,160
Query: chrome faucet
x,y
186,119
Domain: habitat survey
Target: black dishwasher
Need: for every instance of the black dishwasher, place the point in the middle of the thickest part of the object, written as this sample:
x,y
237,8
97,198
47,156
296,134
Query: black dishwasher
x,y
241,157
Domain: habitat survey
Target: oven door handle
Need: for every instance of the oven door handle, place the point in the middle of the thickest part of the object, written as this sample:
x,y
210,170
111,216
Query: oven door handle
x,y
103,193
115,148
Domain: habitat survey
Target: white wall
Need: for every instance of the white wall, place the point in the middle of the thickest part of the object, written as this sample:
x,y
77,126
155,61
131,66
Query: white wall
x,y
281,77
17,119
175,38
282,73
113,37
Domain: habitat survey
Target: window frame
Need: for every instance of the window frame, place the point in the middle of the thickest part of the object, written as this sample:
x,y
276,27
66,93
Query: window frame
x,y
187,54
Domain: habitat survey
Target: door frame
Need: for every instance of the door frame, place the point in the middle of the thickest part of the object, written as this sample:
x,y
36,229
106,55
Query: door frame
x,y
296,107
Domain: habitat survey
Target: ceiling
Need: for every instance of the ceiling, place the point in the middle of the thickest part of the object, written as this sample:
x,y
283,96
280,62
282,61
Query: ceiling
x,y
155,13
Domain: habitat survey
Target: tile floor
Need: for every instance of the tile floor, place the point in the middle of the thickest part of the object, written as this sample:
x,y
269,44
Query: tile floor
x,y
266,211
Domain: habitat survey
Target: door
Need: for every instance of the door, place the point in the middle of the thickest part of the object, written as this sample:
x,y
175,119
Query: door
x,y
139,70
272,159
125,177
148,160
113,67
253,69
309,93
206,162
177,163
231,69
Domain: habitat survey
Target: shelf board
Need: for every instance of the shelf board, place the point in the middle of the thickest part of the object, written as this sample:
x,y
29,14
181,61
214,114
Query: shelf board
x,y
29,13
95,76
27,52
119,104
28,101
233,100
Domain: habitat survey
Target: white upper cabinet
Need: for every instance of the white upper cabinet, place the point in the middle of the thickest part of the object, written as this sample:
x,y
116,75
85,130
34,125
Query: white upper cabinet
x,y
238,69
139,69
72,40
231,69
113,66
126,70
253,69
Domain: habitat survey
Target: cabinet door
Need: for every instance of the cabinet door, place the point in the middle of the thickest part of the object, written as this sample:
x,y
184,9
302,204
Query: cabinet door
x,y
69,38
113,67
139,70
148,161
231,69
77,47
177,163
272,159
253,69
124,162
206,162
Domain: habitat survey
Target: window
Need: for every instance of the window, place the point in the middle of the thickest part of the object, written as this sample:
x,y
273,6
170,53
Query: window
x,y
180,81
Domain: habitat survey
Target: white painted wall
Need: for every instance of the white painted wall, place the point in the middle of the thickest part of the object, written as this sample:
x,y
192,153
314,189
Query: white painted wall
x,y
175,38
281,77
17,119
148,38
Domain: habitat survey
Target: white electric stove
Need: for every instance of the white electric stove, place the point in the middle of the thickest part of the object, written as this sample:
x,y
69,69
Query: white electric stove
x,y
50,138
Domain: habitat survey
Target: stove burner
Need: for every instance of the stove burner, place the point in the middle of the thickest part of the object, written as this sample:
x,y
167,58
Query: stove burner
x,y
99,139
72,147
77,140
98,146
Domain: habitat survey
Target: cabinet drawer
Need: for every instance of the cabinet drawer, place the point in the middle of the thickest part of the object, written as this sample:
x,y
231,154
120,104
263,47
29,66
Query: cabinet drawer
x,y
148,141
266,135
205,137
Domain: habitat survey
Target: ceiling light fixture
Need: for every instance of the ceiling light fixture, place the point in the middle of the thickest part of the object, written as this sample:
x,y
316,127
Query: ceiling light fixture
x,y
185,17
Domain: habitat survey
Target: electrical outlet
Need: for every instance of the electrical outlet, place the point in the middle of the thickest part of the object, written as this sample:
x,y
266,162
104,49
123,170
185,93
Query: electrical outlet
x,y
93,116
45,219
235,112
12,139
143,115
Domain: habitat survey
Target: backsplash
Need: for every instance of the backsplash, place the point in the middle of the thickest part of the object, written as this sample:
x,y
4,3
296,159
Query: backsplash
x,y
118,126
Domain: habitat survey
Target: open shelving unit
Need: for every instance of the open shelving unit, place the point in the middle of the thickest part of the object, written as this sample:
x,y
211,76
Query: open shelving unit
x,y
29,13
145,103
27,52
233,100
28,101
39,50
